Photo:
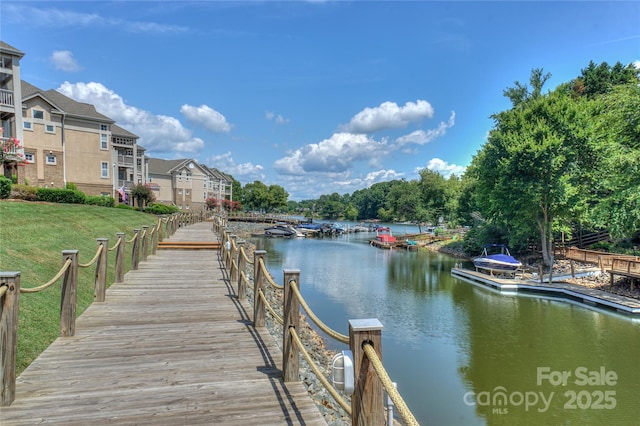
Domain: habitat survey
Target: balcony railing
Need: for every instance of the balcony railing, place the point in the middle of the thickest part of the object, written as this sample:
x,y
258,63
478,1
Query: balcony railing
x,y
126,160
6,97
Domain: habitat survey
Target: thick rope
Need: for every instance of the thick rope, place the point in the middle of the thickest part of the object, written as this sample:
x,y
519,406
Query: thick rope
x,y
269,308
133,238
246,259
268,277
64,268
246,281
329,331
115,246
3,290
334,393
95,258
401,406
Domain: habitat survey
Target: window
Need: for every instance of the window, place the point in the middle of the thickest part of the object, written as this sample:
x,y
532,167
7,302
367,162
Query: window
x,y
51,159
104,141
204,195
187,192
37,114
180,176
104,169
188,176
104,128
179,191
187,206
27,125
28,157
49,128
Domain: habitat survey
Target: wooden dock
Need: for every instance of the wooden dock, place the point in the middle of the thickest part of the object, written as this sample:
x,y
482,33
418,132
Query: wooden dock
x,y
171,345
587,297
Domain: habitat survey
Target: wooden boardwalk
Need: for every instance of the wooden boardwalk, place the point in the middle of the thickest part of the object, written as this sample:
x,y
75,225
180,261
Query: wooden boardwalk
x,y
169,346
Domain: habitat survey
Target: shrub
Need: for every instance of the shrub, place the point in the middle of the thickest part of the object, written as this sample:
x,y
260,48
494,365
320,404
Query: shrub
x,y
5,187
161,209
54,195
72,186
125,207
24,192
100,200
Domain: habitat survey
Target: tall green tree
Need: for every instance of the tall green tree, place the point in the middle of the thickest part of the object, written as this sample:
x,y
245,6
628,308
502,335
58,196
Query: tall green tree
x,y
526,172
617,128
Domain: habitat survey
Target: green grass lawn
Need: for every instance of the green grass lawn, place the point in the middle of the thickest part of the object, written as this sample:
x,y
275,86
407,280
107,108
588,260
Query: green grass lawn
x,y
32,238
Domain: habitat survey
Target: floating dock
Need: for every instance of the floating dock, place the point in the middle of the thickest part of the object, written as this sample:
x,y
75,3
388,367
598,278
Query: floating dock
x,y
588,297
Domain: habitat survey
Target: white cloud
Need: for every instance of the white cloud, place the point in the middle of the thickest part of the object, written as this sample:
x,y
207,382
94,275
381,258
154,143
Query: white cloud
x,y
279,119
52,17
334,155
388,116
444,168
637,64
64,60
206,117
244,172
422,137
158,133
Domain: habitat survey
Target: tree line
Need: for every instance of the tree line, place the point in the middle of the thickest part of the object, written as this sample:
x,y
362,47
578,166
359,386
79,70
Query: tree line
x,y
554,162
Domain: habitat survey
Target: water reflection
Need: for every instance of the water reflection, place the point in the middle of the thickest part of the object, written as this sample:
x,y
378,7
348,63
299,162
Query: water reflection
x,y
446,341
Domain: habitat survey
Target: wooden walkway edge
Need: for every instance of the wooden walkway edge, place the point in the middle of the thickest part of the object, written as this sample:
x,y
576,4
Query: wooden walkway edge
x,y
171,345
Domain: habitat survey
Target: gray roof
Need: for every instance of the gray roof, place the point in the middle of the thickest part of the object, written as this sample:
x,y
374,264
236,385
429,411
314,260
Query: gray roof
x,y
64,103
7,48
158,166
119,131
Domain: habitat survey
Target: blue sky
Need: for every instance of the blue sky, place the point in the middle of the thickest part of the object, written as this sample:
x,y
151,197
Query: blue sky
x,y
316,96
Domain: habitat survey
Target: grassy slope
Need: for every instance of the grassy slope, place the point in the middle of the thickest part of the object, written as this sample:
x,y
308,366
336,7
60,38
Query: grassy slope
x,y
32,237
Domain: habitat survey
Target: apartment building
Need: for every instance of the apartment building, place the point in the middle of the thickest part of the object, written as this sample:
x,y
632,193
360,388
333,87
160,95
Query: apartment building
x,y
187,184
66,141
11,154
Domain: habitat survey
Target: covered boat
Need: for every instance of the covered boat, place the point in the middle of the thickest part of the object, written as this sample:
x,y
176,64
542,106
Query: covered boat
x,y
496,258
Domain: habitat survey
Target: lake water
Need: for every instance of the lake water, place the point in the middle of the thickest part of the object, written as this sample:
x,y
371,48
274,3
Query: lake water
x,y
463,354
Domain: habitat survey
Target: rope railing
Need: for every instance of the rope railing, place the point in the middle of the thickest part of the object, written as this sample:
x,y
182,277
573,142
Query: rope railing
x,y
330,388
275,315
364,339
49,283
342,338
115,246
94,260
388,385
10,289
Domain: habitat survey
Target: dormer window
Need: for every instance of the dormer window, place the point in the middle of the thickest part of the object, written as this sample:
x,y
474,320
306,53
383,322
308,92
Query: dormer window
x,y
37,114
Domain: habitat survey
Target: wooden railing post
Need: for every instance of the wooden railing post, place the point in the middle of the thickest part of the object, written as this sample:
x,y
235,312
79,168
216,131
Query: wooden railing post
x,y
69,294
145,242
100,286
234,261
120,257
154,239
291,318
258,285
9,304
135,252
242,266
160,229
367,401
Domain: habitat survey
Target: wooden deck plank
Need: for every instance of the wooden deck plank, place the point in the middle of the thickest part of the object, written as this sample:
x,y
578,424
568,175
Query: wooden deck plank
x,y
170,345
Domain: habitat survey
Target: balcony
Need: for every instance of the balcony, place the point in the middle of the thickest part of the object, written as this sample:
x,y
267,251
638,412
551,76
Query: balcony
x,y
125,160
6,97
